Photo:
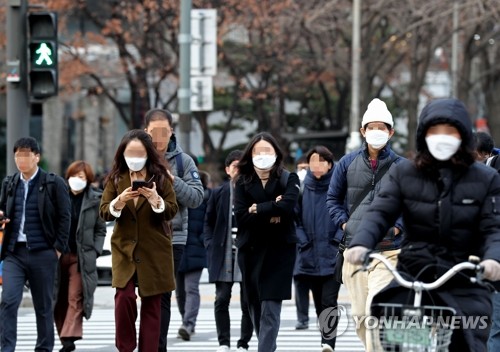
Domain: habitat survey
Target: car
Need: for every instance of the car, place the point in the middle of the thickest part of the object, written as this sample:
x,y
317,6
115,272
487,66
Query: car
x,y
104,261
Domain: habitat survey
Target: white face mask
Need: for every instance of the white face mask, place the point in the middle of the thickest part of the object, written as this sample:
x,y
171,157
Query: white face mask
x,y
376,138
76,183
442,146
302,174
135,164
264,161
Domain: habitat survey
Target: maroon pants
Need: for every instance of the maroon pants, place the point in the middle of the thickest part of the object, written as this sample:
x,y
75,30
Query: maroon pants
x,y
126,315
68,311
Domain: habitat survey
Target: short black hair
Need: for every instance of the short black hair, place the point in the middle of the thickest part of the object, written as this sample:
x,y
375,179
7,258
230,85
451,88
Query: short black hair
x,y
323,152
484,142
27,143
232,156
158,114
302,160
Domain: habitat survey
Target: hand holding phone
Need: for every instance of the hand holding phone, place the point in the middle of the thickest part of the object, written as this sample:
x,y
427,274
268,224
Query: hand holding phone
x,y
136,184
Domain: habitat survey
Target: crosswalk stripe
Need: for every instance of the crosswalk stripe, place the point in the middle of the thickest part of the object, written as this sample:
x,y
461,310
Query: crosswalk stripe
x,y
99,332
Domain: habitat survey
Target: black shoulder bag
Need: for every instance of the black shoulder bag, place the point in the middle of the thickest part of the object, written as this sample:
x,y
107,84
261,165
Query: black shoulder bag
x,y
362,195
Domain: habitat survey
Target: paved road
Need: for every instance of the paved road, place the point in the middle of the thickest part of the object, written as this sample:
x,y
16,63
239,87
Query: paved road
x,y
99,330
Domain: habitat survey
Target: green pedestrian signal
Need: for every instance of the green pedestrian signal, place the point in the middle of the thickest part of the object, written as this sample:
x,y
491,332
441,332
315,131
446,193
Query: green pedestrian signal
x,y
42,52
43,55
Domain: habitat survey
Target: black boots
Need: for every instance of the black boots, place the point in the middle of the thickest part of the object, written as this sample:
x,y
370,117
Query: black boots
x,y
68,345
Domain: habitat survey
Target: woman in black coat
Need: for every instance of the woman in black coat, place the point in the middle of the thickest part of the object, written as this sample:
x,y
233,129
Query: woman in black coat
x,y
264,209
451,210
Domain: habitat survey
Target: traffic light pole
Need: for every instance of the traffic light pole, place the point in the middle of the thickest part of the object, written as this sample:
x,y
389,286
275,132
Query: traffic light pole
x,y
18,106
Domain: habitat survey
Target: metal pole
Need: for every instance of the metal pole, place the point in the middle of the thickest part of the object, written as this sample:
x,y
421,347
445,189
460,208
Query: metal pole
x,y
354,137
454,52
18,106
184,92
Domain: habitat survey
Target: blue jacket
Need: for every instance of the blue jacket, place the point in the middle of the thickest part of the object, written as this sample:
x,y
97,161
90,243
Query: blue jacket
x,y
318,236
53,204
350,176
195,256
216,229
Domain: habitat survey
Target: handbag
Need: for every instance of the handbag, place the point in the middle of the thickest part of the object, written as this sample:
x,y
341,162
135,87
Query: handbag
x,y
339,261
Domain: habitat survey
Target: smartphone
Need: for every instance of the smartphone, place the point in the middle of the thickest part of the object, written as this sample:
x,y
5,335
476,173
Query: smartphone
x,y
142,183
3,217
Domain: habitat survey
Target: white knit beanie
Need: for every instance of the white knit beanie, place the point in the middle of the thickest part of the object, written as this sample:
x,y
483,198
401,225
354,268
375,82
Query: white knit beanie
x,y
377,112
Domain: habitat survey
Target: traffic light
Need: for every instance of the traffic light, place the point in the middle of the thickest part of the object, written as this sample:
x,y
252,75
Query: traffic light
x,y
42,54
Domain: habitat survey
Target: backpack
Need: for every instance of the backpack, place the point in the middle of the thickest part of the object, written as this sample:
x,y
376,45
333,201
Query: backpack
x,y
493,162
284,181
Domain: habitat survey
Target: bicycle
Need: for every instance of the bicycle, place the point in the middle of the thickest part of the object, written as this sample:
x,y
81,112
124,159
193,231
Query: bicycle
x,y
417,327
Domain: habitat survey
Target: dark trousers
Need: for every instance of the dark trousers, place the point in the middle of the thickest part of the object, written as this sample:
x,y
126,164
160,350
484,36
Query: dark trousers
x,y
126,316
325,290
266,317
222,319
39,269
178,250
302,288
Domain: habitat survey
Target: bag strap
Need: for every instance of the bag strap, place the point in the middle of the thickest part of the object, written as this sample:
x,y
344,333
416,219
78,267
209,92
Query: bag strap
x,y
179,163
370,186
364,193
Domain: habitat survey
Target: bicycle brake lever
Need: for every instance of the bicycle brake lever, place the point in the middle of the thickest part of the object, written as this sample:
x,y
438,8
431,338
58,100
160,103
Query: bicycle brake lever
x,y
366,261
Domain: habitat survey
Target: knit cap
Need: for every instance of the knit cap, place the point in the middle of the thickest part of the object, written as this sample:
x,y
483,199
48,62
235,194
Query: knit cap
x,y
377,112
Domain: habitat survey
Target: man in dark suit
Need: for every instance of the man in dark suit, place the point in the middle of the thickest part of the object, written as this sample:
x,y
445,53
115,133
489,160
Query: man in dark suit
x,y
220,232
35,209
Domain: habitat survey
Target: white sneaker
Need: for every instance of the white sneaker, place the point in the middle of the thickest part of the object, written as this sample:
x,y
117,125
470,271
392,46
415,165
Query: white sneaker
x,y
223,348
326,348
241,349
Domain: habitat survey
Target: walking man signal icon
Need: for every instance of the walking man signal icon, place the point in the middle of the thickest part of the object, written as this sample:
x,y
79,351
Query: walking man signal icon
x,y
45,54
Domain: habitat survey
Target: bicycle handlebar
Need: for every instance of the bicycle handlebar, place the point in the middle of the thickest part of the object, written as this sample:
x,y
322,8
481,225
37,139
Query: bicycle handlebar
x,y
419,285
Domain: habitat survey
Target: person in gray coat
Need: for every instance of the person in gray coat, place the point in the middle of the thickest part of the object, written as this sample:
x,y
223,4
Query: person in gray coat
x,y
77,279
188,191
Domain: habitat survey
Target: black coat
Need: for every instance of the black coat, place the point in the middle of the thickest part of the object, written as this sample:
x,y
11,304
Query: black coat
x,y
267,250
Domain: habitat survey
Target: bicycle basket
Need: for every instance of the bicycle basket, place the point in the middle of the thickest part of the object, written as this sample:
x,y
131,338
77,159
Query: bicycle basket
x,y
398,327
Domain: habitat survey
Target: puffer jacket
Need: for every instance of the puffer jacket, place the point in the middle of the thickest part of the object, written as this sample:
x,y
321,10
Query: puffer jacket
x,y
449,213
456,207
350,176
318,236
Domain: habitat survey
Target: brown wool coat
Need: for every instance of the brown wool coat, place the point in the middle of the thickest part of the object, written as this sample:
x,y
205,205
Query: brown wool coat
x,y
139,242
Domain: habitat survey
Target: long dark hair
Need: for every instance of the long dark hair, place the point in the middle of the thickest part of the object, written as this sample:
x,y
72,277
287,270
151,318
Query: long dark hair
x,y
245,165
463,158
155,165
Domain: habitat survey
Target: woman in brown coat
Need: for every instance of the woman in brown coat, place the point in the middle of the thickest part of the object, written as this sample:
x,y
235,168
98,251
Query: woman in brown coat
x,y
141,246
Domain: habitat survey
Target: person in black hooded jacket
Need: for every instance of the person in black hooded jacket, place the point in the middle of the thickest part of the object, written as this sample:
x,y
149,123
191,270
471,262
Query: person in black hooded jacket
x,y
451,210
